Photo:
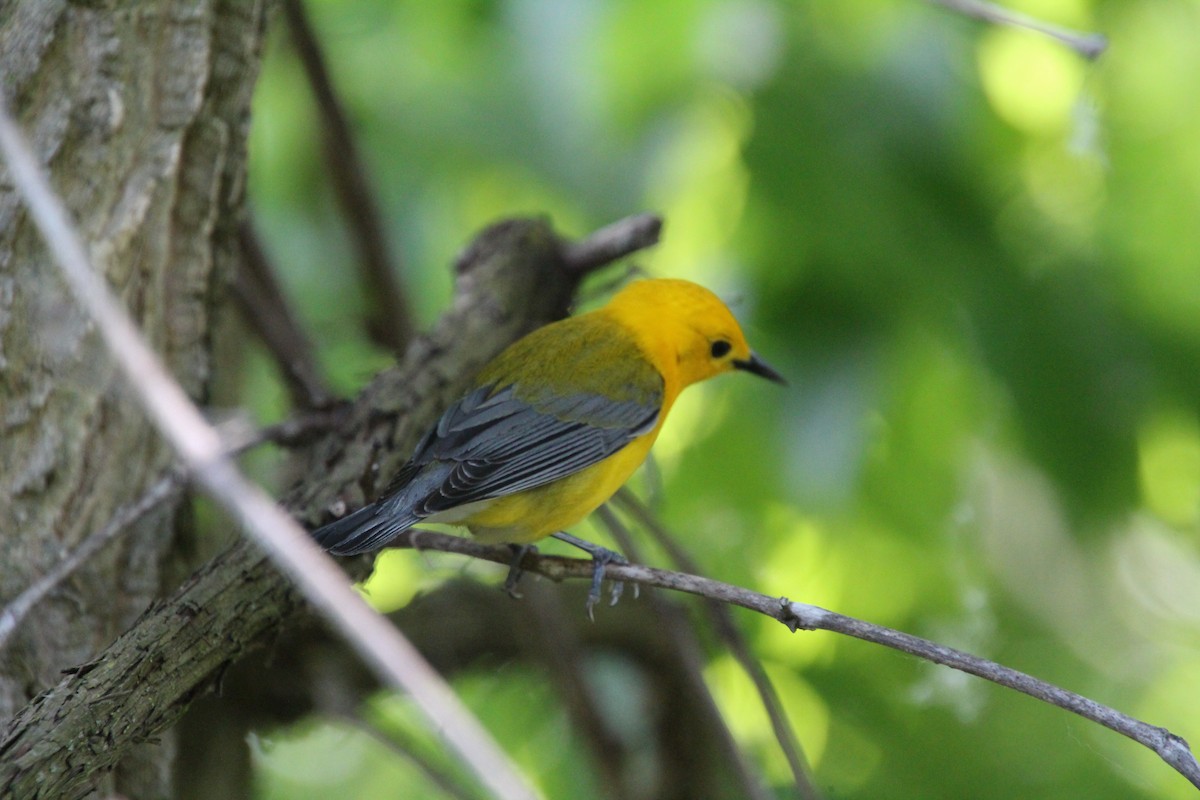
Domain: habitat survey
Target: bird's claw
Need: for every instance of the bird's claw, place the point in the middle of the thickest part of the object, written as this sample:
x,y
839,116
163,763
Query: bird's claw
x,y
615,592
514,568
601,558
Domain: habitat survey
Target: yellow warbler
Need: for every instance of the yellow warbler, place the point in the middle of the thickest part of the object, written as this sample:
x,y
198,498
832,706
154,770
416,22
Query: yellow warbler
x,y
557,423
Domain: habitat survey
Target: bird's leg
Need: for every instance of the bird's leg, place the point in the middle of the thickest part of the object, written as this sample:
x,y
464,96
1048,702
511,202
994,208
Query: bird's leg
x,y
514,568
601,557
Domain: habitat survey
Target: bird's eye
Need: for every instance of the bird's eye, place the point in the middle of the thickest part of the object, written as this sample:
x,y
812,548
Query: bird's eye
x,y
721,348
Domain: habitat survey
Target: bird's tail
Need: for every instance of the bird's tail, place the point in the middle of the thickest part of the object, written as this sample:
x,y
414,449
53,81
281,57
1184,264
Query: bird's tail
x,y
369,528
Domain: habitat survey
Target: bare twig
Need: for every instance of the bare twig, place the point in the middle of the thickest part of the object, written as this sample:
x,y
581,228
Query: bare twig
x,y
1089,45
405,747
689,652
732,636
612,242
198,445
389,320
298,430
239,433
801,616
18,609
268,312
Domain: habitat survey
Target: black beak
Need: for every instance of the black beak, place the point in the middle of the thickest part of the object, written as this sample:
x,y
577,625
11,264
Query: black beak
x,y
756,366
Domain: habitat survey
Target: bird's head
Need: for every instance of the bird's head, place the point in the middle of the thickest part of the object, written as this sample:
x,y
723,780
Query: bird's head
x,y
688,328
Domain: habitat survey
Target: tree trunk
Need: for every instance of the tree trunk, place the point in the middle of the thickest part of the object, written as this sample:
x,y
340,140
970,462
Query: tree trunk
x,y
512,280
139,112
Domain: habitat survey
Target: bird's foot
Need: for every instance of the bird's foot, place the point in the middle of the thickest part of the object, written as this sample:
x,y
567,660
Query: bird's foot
x,y
514,568
601,558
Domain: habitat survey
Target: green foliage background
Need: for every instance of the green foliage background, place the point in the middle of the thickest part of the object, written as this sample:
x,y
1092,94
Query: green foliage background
x,y
974,254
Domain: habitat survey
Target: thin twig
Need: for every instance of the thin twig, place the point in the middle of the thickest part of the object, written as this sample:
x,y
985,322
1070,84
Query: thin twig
x,y
1171,748
689,651
612,242
384,649
302,428
389,320
407,748
18,609
239,433
729,632
1089,45
268,312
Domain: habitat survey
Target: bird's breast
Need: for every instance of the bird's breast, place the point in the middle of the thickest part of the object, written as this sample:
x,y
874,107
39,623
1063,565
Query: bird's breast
x,y
536,513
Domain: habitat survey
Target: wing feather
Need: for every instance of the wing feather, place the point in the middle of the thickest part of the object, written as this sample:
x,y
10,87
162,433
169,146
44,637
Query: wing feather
x,y
531,447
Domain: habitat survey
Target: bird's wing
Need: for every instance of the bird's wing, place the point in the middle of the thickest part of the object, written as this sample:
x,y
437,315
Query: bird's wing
x,y
494,443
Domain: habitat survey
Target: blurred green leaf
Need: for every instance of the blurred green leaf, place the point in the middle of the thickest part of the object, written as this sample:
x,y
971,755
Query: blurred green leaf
x,y
972,252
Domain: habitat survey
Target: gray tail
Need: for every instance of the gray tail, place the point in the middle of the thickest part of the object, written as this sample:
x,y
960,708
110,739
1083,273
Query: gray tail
x,y
369,528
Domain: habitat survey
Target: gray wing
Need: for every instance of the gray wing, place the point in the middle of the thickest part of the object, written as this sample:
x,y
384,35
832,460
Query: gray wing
x,y
499,445
490,445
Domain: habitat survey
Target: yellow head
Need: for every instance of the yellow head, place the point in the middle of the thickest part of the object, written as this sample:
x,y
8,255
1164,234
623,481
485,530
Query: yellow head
x,y
686,330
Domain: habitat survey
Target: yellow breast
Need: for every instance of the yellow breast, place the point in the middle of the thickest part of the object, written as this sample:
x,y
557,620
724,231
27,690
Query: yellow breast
x,y
535,514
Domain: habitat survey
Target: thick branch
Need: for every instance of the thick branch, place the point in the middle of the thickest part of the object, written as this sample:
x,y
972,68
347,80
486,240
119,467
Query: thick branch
x,y
612,242
198,446
510,280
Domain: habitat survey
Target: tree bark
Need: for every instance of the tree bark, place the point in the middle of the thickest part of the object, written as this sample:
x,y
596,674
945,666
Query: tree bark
x,y
139,112
510,281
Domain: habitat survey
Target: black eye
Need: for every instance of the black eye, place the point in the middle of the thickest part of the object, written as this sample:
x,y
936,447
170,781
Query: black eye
x,y
721,348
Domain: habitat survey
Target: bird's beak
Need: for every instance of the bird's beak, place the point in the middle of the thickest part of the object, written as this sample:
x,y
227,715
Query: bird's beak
x,y
756,366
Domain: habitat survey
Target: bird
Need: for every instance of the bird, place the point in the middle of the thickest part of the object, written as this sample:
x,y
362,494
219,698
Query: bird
x,y
557,423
